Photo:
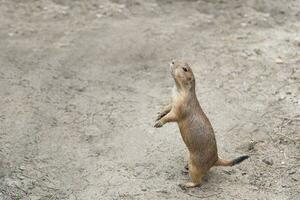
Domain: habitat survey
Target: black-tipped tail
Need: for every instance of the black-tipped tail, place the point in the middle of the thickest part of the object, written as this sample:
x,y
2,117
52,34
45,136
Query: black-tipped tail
x,y
239,160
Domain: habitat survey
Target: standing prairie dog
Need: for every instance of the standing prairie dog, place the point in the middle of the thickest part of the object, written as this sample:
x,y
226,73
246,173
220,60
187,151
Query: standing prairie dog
x,y
195,128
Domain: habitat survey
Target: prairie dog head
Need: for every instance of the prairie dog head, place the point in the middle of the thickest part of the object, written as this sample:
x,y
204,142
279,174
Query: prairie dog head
x,y
183,75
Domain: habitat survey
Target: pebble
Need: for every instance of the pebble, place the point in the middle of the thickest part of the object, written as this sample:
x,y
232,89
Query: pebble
x,y
279,61
251,146
294,179
292,172
99,15
243,24
258,51
268,161
20,177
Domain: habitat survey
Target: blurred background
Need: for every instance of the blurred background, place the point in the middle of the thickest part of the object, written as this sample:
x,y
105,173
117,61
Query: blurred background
x,y
81,83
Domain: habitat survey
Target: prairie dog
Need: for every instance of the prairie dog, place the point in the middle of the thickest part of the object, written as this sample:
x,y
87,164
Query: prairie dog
x,y
195,128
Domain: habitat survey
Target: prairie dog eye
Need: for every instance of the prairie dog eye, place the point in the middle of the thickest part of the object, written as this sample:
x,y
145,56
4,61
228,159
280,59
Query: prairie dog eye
x,y
185,69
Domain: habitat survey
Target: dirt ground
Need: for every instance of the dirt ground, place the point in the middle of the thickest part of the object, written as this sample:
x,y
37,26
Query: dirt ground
x,y
82,81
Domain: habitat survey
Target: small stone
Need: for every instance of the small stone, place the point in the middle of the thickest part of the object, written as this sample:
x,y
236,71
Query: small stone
x,y
243,24
292,172
294,179
227,172
22,168
251,146
279,61
281,97
257,51
268,161
144,189
163,191
283,141
99,15
31,186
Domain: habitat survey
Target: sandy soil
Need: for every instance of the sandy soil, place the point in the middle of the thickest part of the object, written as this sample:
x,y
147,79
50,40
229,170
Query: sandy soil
x,y
82,81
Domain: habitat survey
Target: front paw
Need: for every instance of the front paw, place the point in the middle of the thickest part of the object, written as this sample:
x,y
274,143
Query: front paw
x,y
160,115
158,124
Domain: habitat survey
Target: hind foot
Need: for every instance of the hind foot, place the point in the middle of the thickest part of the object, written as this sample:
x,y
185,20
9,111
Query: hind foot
x,y
189,185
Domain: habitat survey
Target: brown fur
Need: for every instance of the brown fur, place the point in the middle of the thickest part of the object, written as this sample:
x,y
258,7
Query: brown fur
x,y
195,128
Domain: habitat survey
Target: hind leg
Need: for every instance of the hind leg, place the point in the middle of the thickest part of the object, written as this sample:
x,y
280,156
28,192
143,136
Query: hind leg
x,y
196,174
